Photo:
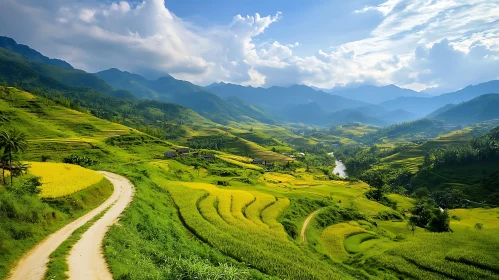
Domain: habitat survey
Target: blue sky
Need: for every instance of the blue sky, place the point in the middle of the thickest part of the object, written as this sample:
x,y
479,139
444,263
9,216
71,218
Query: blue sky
x,y
315,24
432,45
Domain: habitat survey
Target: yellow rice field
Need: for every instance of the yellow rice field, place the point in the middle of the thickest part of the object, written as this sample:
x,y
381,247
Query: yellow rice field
x,y
61,179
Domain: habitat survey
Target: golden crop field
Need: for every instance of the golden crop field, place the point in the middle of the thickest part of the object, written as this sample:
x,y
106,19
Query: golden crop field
x,y
61,179
229,220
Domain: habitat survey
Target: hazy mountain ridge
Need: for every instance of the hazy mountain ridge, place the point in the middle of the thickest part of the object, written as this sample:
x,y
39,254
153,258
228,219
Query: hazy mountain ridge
x,y
375,94
279,97
422,106
12,45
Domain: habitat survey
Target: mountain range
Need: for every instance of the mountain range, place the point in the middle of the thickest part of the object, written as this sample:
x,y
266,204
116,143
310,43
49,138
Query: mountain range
x,y
422,106
224,102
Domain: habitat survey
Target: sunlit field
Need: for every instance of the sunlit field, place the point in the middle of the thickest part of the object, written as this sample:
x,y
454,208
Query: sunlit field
x,y
61,179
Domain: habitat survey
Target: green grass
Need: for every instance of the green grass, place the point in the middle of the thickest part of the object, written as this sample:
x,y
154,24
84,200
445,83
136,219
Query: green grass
x,y
181,225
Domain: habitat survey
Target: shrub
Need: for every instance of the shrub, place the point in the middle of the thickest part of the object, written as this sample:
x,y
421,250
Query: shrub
x,y
79,160
290,228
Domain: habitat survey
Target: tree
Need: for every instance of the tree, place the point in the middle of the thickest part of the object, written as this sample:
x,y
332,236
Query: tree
x,y
4,160
412,223
12,142
440,221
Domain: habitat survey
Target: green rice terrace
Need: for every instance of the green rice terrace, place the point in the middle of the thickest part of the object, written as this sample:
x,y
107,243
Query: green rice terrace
x,y
225,216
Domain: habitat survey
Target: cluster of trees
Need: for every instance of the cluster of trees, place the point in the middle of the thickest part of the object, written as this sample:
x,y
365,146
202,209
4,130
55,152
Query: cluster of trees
x,y
427,127
427,214
216,142
79,160
479,149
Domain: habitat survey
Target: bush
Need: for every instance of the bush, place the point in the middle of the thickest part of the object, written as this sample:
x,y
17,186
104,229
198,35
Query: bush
x,y
290,228
79,160
45,158
222,183
29,187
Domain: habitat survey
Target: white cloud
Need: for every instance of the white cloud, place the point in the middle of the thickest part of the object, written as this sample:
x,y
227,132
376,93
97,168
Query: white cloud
x,y
419,43
384,8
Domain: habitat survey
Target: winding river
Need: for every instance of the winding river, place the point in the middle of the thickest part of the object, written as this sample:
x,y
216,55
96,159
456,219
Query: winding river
x,y
340,169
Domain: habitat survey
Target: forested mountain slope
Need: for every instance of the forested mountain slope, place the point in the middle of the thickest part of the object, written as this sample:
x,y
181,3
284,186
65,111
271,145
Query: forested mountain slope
x,y
185,93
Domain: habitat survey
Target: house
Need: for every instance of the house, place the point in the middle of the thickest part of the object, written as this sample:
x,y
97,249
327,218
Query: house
x,y
182,151
170,154
258,161
292,156
301,154
208,156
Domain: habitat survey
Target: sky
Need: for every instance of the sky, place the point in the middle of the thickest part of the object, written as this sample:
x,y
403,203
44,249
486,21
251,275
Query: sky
x,y
432,45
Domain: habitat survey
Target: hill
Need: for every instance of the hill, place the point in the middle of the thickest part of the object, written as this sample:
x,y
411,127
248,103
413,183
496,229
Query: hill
x,y
196,215
169,89
422,106
165,88
422,129
10,44
480,109
160,118
374,94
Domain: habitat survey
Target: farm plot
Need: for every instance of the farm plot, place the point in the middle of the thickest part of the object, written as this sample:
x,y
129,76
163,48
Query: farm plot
x,y
430,254
61,179
243,225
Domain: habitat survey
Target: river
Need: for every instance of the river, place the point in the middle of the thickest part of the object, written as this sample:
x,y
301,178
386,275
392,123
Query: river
x,y
340,169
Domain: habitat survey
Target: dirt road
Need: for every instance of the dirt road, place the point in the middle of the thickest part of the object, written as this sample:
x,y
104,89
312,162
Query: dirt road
x,y
303,235
34,264
85,259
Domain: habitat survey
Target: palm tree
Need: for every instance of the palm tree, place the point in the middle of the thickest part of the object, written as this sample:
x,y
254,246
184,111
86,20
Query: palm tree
x,y
3,162
12,142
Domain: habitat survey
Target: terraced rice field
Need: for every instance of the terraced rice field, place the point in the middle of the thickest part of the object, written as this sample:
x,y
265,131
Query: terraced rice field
x,y
60,179
432,257
240,161
243,225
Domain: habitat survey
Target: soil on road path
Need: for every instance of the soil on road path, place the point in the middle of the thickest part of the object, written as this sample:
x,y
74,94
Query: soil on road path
x,y
34,264
303,235
86,260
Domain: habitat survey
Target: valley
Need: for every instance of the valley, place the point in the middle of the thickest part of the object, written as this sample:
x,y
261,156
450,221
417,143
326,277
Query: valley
x,y
116,176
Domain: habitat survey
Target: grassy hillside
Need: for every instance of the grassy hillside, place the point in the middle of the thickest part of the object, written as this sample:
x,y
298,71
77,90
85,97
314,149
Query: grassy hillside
x,y
192,218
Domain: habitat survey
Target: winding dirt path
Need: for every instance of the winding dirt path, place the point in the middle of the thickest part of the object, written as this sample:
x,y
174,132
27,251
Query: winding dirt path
x,y
303,235
86,260
34,264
